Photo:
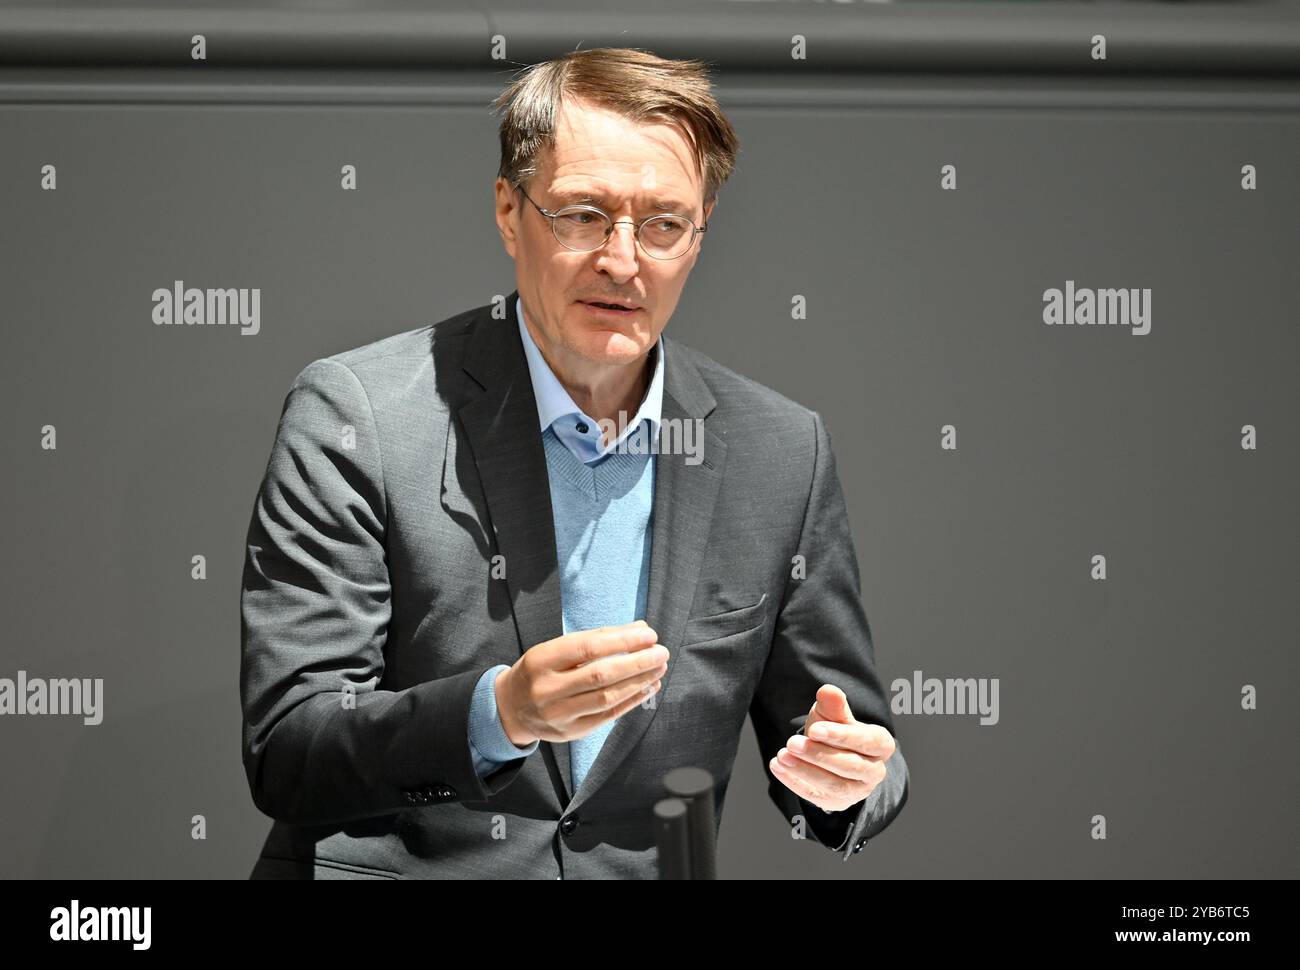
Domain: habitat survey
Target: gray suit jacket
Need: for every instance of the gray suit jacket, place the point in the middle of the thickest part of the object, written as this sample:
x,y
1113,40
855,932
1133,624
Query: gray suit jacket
x,y
370,607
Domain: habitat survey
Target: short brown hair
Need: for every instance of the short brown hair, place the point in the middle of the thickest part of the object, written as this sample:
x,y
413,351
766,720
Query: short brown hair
x,y
634,83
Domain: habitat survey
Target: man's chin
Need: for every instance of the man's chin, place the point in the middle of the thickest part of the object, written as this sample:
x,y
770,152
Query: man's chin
x,y
613,347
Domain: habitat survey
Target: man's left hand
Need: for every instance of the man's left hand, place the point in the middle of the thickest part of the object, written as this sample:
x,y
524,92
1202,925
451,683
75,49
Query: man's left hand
x,y
837,761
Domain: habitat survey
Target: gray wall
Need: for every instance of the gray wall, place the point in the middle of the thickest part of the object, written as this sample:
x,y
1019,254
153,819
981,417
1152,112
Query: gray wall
x,y
1119,697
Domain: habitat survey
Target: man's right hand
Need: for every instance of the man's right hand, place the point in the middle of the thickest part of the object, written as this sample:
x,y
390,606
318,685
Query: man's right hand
x,y
564,688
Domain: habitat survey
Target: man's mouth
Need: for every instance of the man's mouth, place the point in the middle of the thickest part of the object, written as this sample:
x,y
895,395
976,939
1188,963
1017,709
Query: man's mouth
x,y
610,307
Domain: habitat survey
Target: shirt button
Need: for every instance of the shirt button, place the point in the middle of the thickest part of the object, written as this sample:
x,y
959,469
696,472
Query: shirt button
x,y
582,427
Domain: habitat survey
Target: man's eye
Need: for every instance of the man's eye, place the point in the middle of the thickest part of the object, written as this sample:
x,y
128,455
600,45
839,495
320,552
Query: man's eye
x,y
667,228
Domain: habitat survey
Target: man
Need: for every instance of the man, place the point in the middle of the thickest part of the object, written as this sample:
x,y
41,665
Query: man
x,y
480,622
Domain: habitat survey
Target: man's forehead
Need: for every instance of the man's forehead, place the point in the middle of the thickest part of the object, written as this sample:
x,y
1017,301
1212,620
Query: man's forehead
x,y
674,174
609,184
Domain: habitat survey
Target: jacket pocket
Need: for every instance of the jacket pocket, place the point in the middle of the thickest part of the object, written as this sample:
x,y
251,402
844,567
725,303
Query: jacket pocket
x,y
718,625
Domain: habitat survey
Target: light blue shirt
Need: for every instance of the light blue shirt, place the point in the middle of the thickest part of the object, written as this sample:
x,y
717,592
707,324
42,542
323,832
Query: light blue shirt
x,y
489,746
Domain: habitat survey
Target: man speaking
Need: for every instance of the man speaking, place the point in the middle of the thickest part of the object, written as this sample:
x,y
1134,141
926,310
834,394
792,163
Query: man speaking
x,y
491,598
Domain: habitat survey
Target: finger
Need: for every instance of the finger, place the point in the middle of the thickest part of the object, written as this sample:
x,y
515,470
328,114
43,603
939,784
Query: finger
x,y
589,645
816,784
870,740
606,672
604,698
585,724
833,704
838,761
796,783
810,782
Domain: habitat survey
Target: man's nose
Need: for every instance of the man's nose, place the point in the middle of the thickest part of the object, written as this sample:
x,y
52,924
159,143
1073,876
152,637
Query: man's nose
x,y
619,253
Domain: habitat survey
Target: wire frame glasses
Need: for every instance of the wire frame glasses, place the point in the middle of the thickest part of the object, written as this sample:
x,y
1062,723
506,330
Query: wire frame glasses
x,y
585,228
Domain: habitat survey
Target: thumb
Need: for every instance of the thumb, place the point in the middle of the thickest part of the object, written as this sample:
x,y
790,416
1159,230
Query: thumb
x,y
832,704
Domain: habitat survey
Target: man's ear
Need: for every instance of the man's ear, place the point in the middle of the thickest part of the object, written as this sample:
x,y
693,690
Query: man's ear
x,y
505,208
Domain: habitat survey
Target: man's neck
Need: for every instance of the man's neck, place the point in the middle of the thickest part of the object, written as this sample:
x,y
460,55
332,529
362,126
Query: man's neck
x,y
603,396
601,392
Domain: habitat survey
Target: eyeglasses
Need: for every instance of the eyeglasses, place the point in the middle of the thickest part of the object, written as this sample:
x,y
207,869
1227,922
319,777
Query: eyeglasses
x,y
584,229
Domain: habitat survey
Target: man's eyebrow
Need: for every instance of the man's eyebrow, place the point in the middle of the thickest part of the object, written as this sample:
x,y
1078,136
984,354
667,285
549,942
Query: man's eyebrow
x,y
601,200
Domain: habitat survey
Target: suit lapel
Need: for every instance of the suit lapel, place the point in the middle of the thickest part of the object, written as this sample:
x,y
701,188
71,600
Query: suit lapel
x,y
500,424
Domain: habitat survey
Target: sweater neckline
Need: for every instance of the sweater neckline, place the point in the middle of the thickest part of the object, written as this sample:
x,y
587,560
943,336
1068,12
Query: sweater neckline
x,y
615,468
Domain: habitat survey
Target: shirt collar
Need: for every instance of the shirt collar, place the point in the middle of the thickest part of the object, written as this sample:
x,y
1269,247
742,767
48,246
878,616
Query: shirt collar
x,y
554,402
